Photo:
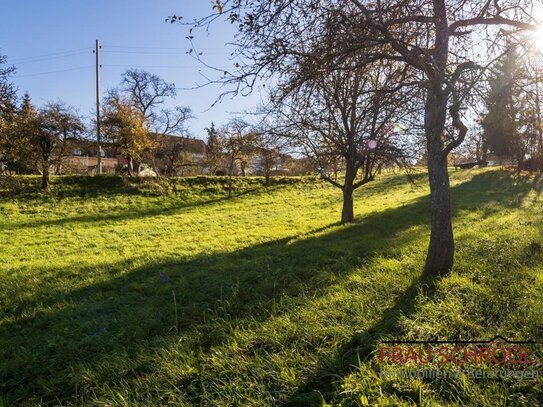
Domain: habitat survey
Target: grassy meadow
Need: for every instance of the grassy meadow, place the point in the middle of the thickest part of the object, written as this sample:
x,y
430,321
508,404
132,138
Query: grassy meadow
x,y
118,292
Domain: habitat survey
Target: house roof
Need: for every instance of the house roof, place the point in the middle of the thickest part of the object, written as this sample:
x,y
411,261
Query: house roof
x,y
89,147
189,144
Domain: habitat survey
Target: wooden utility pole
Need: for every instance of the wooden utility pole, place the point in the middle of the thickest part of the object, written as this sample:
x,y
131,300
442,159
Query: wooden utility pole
x,y
98,136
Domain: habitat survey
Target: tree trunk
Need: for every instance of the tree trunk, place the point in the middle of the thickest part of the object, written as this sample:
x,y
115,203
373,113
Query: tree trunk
x,y
440,257
347,213
230,186
45,177
230,172
129,166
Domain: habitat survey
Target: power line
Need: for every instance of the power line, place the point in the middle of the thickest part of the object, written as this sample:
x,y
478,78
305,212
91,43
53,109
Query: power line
x,y
58,71
143,52
164,53
51,58
164,48
18,60
153,66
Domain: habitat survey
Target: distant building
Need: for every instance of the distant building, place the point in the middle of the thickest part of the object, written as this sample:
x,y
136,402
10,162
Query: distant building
x,y
178,156
174,156
84,158
171,155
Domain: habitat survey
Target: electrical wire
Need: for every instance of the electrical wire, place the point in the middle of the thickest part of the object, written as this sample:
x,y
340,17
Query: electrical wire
x,y
51,58
142,52
162,48
21,59
163,53
117,49
154,66
57,71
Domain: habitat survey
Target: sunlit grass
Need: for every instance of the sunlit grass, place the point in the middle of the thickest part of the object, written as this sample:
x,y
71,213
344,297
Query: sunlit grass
x,y
123,293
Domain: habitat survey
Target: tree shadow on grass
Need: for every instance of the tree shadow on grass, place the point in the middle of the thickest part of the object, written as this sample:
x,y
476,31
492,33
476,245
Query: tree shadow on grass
x,y
70,332
325,384
506,189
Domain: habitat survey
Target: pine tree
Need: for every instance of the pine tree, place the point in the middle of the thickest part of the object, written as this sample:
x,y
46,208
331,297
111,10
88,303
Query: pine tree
x,y
501,135
214,149
26,109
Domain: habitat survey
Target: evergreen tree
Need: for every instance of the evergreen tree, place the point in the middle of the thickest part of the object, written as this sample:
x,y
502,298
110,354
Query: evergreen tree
x,y
501,135
213,150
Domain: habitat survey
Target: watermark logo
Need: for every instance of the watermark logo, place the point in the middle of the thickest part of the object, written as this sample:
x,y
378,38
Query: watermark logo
x,y
496,358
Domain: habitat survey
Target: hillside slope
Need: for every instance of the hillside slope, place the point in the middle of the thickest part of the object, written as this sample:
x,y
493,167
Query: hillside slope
x,y
124,293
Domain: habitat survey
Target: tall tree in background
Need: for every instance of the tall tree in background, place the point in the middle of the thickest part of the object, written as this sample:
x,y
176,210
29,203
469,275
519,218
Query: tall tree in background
x,y
500,124
433,38
8,92
16,147
147,93
8,107
214,154
10,141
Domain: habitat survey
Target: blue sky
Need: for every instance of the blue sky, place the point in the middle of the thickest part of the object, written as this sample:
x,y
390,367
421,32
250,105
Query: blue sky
x,y
133,34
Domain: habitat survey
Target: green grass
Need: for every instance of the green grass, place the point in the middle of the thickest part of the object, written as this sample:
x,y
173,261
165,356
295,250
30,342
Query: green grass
x,y
124,292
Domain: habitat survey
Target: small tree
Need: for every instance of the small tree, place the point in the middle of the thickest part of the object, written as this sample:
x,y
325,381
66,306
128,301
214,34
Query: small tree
x,y
270,156
270,148
51,131
238,145
125,127
344,123
175,155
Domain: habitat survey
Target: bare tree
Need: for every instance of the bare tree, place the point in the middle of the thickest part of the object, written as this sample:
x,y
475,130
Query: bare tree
x,y
349,122
435,39
238,145
270,147
146,91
